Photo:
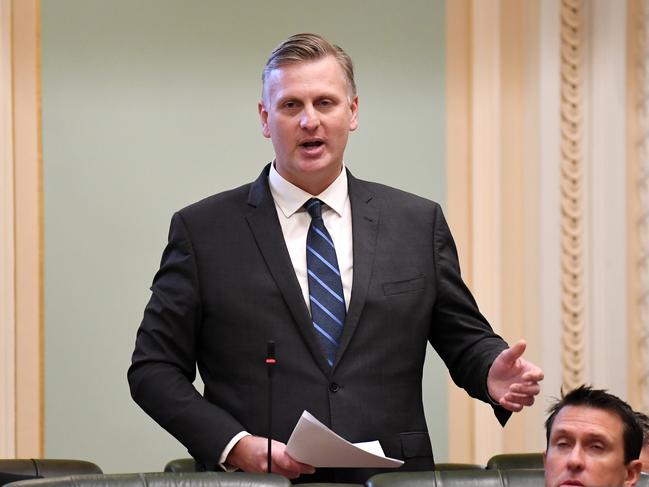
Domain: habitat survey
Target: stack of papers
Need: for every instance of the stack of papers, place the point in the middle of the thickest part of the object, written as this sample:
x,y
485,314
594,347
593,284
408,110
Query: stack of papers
x,y
314,444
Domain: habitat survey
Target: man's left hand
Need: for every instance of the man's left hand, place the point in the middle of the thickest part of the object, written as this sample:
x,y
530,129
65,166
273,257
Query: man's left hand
x,y
513,381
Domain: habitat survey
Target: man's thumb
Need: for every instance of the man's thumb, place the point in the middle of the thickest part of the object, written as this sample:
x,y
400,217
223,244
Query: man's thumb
x,y
512,354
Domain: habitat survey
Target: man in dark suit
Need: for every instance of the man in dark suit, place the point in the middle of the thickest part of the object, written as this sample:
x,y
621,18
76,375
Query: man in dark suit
x,y
351,279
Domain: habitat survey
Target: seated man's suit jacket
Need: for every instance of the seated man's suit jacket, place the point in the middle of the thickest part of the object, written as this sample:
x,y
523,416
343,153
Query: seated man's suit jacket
x,y
226,286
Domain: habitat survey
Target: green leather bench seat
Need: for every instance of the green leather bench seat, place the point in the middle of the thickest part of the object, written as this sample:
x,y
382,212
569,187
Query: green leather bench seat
x,y
38,467
181,465
458,466
508,461
159,479
460,478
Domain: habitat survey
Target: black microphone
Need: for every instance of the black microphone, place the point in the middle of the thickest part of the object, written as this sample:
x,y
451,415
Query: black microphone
x,y
270,363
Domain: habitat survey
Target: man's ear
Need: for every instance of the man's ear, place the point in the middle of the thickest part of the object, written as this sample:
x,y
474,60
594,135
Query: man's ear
x,y
633,469
353,123
263,116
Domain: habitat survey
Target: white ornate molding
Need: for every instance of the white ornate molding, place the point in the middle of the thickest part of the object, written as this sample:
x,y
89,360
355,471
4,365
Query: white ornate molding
x,y
593,195
640,145
572,196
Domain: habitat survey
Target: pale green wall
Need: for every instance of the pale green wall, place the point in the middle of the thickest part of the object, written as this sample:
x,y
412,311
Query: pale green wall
x,y
149,105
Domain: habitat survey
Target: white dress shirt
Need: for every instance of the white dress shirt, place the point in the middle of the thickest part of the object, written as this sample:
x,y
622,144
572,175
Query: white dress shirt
x,y
295,221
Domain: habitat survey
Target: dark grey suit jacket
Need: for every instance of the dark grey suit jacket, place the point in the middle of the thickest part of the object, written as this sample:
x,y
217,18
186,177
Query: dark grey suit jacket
x,y
226,286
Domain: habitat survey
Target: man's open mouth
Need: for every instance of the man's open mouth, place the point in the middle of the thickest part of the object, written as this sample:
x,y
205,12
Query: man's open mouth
x,y
312,143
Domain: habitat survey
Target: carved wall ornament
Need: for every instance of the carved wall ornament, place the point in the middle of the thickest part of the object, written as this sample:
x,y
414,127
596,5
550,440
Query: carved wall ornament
x,y
642,207
572,196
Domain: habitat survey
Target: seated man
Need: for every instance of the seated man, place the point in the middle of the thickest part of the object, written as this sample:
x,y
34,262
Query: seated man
x,y
643,419
593,439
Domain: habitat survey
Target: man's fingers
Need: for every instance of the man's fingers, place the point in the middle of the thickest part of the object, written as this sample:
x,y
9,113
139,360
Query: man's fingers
x,y
510,406
535,375
515,403
250,455
522,399
286,465
289,474
297,467
289,468
512,354
525,388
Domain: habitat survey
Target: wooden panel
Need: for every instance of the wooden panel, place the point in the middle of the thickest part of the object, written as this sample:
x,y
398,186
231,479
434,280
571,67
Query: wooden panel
x,y
7,289
637,219
458,108
28,230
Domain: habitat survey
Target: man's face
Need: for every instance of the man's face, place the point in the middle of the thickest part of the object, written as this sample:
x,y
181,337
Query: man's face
x,y
586,447
307,113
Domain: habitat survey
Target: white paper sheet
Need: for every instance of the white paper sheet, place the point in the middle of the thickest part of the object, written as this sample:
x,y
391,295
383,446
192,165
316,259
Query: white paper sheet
x,y
313,443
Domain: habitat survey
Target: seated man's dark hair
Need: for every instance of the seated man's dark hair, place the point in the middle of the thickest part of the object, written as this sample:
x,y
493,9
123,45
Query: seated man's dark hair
x,y
643,421
586,396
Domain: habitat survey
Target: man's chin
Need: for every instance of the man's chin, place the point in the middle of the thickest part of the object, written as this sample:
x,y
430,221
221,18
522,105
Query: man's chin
x,y
315,165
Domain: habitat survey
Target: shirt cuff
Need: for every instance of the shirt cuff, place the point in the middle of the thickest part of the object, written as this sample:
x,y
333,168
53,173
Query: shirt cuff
x,y
228,448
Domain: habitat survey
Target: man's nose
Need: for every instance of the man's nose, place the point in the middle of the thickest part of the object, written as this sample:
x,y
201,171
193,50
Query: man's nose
x,y
309,119
575,459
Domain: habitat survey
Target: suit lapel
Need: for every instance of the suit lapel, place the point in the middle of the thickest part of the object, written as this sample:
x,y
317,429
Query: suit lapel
x,y
267,232
365,223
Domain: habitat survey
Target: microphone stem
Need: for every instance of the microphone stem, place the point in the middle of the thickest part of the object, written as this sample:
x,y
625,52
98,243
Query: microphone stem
x,y
270,413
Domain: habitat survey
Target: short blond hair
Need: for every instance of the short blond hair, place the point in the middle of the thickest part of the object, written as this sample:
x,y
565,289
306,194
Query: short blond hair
x,y
308,47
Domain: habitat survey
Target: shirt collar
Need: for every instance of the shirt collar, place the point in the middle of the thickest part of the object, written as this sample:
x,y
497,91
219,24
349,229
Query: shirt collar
x,y
290,198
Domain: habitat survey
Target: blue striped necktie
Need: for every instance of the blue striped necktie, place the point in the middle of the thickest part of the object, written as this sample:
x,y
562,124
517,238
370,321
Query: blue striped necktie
x,y
325,286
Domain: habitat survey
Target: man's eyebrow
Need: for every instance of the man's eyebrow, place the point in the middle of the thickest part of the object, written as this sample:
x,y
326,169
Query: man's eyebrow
x,y
589,435
286,98
599,436
561,431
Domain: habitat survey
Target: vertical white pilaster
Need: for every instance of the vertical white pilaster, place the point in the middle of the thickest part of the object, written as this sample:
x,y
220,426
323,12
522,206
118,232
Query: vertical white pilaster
x,y
606,196
486,212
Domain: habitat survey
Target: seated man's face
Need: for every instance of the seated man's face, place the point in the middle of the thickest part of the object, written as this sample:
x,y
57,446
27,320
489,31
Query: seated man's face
x,y
586,447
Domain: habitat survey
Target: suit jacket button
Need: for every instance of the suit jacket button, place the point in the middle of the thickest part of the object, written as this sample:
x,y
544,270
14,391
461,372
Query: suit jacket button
x,y
333,387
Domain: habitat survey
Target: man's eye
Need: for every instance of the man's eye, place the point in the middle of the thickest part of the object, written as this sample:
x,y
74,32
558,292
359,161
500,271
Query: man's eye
x,y
325,103
290,104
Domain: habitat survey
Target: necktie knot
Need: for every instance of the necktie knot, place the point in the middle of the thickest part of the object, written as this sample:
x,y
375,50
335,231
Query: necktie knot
x,y
314,207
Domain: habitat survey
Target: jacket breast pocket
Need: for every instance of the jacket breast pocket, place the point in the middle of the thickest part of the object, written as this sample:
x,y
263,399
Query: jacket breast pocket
x,y
416,444
405,286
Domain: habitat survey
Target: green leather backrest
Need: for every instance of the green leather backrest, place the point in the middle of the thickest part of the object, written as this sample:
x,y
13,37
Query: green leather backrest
x,y
159,479
181,465
515,460
332,484
458,466
521,477
460,478
402,479
468,478
39,467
